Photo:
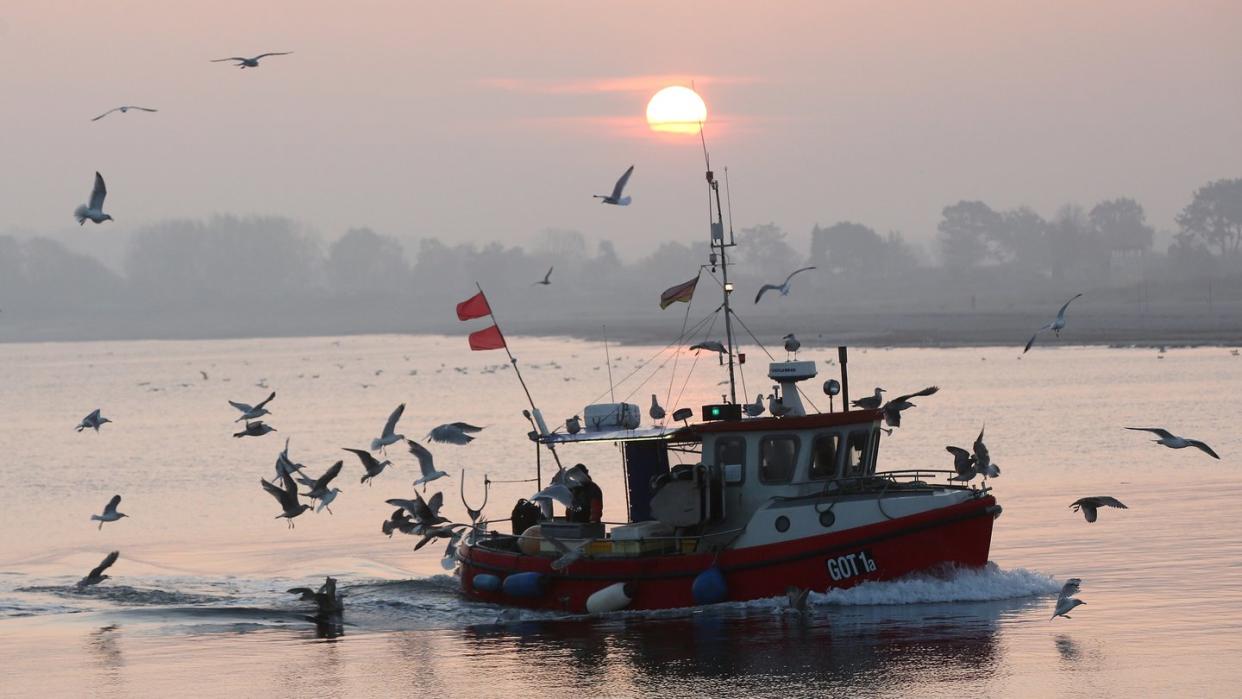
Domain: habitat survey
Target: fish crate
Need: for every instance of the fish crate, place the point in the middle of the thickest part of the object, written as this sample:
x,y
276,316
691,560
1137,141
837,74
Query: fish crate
x,y
599,547
641,547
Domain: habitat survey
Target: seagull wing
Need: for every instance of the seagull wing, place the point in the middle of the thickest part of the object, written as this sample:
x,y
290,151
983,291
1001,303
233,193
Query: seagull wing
x,y
558,492
267,400
241,406
273,53
231,58
1202,447
105,564
273,491
144,109
326,478
368,461
105,114
1061,313
620,186
797,271
288,496
391,426
425,462
961,460
1070,587
411,506
1108,501
112,504
764,289
435,503
94,416
98,193
981,450
925,392
1030,342
466,427
1158,431
547,277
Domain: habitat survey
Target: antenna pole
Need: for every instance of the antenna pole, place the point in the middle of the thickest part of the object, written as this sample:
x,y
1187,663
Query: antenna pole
x,y
611,396
718,246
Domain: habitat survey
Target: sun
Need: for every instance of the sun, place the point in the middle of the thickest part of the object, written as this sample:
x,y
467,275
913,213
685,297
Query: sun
x,y
676,109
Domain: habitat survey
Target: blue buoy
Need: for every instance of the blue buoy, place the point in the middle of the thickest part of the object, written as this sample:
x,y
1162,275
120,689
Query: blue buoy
x,y
486,582
709,587
528,584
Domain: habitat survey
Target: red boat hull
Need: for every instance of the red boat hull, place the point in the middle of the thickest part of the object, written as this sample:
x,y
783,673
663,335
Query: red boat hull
x,y
959,535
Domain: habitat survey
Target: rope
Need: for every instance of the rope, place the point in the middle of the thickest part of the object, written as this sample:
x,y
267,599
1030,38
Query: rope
x,y
765,351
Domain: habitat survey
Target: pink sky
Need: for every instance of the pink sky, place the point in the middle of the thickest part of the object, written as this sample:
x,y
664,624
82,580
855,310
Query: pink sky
x,y
482,121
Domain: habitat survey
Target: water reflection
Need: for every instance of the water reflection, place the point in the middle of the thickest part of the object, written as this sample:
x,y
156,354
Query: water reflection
x,y
104,645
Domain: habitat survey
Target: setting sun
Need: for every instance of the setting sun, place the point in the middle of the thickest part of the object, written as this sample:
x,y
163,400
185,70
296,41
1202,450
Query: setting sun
x,y
676,109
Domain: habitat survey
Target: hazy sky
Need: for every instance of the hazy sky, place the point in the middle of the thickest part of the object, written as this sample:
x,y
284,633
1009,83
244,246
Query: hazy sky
x,y
486,121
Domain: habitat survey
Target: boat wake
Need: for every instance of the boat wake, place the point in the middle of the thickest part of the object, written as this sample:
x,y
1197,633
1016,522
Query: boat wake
x,y
987,584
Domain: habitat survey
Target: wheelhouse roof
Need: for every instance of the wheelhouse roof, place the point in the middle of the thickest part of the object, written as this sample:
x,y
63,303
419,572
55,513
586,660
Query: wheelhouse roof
x,y
695,432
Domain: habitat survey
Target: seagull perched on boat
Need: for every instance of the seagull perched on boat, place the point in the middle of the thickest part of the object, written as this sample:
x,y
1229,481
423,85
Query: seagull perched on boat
x,y
110,514
319,489
1066,600
569,554
93,211
777,407
425,464
656,411
453,433
573,425
1172,441
547,279
389,435
892,409
963,463
243,62
93,421
792,344
373,466
1091,504
287,497
783,287
754,409
870,403
124,109
615,197
1055,326
253,412
983,460
255,429
97,575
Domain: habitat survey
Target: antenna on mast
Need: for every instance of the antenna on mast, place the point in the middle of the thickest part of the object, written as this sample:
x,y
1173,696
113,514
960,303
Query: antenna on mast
x,y
718,246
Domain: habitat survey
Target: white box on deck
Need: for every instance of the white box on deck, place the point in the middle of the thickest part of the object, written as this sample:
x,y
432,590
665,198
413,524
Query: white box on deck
x,y
610,416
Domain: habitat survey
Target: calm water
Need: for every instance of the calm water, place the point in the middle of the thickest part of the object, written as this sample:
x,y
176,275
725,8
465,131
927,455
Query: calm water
x,y
197,604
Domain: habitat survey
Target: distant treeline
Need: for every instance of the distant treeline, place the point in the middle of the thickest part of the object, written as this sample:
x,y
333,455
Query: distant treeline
x,y
267,276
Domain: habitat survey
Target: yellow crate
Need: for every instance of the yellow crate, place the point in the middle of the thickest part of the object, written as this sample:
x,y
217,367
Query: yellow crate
x,y
599,546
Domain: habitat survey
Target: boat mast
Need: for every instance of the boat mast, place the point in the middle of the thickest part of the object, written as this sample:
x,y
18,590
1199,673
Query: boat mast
x,y
718,246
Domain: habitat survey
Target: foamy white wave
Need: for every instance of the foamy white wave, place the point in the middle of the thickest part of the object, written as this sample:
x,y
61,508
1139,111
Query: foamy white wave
x,y
965,585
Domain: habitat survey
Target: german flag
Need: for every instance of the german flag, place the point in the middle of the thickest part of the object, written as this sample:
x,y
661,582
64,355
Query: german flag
x,y
682,292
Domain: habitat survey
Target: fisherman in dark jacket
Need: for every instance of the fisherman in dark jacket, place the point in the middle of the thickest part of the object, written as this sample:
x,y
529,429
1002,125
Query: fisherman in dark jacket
x,y
588,498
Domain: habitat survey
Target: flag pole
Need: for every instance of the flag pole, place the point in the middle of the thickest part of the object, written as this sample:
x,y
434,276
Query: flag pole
x,y
518,372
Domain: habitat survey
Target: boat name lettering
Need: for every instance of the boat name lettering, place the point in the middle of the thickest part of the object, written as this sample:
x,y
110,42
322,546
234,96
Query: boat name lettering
x,y
850,565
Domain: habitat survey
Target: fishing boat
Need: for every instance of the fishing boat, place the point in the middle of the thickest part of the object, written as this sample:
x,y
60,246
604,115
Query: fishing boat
x,y
729,507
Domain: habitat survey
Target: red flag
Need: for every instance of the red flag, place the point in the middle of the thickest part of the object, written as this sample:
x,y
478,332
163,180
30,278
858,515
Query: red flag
x,y
487,338
474,307
682,292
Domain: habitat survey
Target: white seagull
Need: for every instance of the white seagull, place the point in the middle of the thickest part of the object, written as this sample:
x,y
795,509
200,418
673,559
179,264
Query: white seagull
x,y
93,211
1172,441
253,412
792,344
1055,326
783,287
1066,600
123,110
754,409
243,62
109,514
425,463
97,575
615,197
1090,504
569,554
93,421
389,435
319,489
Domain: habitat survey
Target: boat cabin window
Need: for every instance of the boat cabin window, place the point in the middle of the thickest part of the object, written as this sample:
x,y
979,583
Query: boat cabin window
x,y
731,457
778,456
856,453
824,456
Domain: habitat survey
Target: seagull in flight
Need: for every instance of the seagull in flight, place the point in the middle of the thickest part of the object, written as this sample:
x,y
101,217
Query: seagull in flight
x,y
963,463
257,428
373,466
319,489
93,211
123,110
892,409
458,433
426,513
615,197
709,345
389,435
1091,504
547,279
983,460
93,421
425,464
1172,441
287,497
253,412
871,402
243,62
109,514
1055,326
783,287
97,575
1066,600
569,554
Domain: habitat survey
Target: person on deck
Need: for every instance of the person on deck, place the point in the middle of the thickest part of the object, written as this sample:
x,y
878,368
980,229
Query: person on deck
x,y
588,498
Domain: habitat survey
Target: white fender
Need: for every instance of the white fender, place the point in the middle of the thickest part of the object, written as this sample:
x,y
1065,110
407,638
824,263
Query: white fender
x,y
610,599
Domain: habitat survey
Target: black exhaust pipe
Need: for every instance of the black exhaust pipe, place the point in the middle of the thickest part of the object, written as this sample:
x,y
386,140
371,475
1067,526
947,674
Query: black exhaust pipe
x,y
842,358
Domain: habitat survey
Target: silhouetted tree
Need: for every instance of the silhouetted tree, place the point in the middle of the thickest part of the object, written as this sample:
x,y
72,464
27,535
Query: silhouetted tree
x,y
847,248
1027,239
1122,225
1215,216
363,262
965,231
763,253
